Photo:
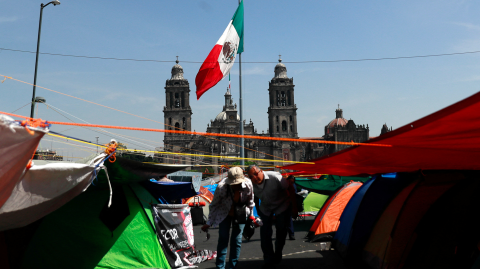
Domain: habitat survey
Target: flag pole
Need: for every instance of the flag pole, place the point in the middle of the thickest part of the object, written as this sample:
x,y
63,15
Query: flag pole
x,y
242,152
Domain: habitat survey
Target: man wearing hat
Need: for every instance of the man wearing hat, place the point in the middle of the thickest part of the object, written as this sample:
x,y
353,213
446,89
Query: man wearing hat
x,y
232,204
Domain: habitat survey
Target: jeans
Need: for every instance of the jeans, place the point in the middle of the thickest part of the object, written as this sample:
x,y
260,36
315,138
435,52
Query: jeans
x,y
281,223
235,243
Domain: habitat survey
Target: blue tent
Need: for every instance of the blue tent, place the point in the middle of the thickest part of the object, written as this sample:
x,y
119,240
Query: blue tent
x,y
169,192
377,197
342,236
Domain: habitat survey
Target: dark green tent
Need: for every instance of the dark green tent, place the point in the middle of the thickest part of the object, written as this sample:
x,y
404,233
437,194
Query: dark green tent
x,y
326,184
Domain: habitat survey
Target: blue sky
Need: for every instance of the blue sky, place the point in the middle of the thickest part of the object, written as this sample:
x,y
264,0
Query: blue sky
x,y
395,92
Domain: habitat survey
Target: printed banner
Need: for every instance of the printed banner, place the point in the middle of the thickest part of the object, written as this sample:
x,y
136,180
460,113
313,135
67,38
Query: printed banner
x,y
173,223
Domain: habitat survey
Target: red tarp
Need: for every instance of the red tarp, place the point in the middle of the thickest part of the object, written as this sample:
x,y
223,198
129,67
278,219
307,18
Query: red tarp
x,y
446,139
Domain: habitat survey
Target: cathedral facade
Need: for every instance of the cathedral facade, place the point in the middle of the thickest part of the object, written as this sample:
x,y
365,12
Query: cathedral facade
x,y
282,123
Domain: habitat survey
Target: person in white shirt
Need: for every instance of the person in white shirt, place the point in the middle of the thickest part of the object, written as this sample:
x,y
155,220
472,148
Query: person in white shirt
x,y
233,191
273,191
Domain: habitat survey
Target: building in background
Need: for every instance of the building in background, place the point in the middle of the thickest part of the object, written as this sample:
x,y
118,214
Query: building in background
x,y
282,123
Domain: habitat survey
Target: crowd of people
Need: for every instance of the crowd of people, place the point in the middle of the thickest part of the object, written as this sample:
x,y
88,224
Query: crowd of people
x,y
232,207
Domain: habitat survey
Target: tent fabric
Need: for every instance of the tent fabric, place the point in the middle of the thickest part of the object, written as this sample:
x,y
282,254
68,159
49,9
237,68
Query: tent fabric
x,y
393,235
447,139
329,216
45,188
342,236
75,237
314,202
171,192
448,235
374,202
125,171
326,184
17,147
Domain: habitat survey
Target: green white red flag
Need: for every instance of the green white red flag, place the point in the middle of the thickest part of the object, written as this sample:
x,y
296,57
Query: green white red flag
x,y
220,60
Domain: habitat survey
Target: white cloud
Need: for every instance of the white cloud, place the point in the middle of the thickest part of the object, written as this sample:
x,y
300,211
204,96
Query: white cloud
x,y
467,45
469,26
8,19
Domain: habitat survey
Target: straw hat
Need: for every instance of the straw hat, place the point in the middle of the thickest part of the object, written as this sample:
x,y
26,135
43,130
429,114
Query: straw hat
x,y
235,176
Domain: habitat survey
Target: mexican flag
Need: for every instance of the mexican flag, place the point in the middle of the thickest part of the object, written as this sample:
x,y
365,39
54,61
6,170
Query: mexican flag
x,y
220,60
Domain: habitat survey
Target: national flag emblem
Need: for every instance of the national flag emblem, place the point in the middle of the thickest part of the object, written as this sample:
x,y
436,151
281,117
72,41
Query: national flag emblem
x,y
220,60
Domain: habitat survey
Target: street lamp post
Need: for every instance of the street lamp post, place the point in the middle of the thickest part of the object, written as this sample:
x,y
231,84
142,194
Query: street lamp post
x,y
32,110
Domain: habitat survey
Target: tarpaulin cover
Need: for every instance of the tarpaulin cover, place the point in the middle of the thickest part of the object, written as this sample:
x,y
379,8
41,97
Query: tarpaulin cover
x,y
342,236
170,191
447,139
75,237
125,171
45,188
175,232
326,184
17,147
393,235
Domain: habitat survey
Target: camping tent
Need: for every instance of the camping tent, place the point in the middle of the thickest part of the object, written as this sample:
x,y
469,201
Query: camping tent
x,y
394,233
377,197
446,139
342,236
314,202
85,233
448,235
327,220
326,184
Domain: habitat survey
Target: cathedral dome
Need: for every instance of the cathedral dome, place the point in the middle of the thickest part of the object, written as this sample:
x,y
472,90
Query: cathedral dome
x,y
280,70
177,72
339,120
222,116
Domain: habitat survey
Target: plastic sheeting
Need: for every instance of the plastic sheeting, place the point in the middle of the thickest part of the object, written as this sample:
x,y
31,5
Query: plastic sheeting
x,y
45,188
17,147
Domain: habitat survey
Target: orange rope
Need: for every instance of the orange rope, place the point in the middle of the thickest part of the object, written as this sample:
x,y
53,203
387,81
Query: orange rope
x,y
209,134
111,147
129,113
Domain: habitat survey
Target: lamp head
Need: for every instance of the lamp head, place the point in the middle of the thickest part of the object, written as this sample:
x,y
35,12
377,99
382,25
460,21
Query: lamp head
x,y
40,99
55,2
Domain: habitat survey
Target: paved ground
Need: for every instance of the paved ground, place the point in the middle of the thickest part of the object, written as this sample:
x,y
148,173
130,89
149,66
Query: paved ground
x,y
296,254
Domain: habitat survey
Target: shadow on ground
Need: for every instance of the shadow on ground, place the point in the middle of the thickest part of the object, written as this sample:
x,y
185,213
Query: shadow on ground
x,y
296,253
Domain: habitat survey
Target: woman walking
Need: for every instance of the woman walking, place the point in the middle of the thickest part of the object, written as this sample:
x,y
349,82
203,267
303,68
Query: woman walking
x,y
232,205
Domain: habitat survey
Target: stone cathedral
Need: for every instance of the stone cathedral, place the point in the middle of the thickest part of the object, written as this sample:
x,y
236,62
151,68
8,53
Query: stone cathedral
x,y
282,122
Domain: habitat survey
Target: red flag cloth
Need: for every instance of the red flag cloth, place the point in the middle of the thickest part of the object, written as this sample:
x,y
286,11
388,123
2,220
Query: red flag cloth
x,y
448,139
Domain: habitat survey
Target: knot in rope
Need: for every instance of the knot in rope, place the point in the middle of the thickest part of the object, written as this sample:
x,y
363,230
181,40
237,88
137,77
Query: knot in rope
x,y
34,123
110,150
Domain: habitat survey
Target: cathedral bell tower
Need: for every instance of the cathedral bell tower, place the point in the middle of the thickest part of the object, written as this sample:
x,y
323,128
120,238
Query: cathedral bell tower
x,y
282,111
177,111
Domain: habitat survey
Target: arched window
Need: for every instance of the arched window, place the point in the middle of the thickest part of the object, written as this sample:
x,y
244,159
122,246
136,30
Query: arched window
x,y
291,118
184,123
183,99
291,128
277,118
284,125
278,130
171,100
177,126
289,98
